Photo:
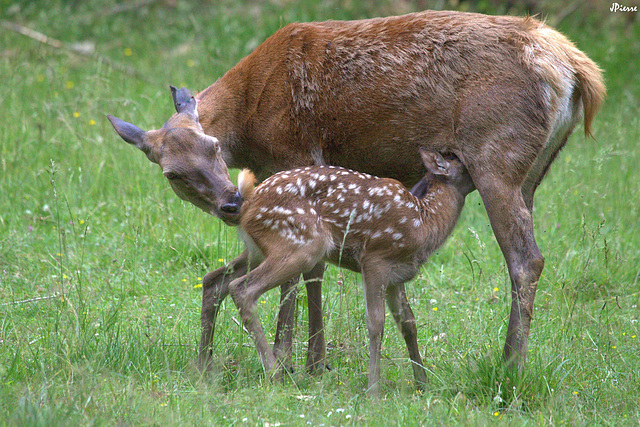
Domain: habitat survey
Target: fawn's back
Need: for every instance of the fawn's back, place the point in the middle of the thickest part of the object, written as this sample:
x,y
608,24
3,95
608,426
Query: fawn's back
x,y
342,215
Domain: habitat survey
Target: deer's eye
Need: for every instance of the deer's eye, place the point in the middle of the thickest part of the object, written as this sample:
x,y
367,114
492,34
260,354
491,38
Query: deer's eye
x,y
171,176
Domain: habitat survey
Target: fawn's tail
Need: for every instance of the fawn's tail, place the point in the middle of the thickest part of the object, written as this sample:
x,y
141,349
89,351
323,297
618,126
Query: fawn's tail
x,y
246,184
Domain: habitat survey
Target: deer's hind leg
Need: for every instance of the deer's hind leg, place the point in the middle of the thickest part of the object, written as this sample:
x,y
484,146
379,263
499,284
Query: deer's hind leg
x,y
512,224
499,148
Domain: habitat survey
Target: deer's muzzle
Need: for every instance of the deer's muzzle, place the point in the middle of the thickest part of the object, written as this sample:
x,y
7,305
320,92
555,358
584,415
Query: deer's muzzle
x,y
230,210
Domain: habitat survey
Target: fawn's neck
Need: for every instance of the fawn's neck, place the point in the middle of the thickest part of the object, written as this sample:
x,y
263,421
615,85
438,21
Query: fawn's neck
x,y
440,208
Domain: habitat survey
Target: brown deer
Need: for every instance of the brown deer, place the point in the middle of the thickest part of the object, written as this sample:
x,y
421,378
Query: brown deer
x,y
297,218
502,93
209,187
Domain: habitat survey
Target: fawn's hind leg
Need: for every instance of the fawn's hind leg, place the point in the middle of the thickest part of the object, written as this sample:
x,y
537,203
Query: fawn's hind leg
x,y
245,291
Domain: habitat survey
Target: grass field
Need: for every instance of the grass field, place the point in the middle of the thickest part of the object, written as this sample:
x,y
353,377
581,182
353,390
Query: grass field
x,y
101,264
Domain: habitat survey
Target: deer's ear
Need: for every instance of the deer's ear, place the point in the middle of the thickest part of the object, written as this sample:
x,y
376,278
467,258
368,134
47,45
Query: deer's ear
x,y
134,135
435,163
184,101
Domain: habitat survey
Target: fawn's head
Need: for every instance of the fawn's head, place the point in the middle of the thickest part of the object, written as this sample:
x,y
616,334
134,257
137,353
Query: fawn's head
x,y
448,170
190,159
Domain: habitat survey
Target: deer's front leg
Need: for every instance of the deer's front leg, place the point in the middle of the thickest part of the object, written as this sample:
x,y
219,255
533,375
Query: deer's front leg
x,y
283,342
215,288
317,349
283,345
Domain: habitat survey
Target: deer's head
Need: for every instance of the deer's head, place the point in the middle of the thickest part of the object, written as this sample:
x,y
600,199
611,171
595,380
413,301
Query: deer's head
x,y
189,159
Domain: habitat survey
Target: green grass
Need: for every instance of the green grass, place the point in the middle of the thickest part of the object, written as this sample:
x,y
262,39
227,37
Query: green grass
x,y
100,262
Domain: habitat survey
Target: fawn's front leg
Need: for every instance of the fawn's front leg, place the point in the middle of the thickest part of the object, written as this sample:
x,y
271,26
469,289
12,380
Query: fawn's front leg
x,y
375,275
403,315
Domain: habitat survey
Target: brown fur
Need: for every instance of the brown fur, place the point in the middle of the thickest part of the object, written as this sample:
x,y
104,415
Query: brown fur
x,y
314,101
502,93
246,183
297,218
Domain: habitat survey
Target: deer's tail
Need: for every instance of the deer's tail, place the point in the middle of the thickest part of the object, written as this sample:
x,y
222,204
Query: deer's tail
x,y
591,86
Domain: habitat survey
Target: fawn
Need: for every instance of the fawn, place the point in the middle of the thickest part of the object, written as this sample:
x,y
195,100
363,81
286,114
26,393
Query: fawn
x,y
297,218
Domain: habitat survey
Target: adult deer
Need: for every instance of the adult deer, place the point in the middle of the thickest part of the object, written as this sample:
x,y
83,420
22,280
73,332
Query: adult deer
x,y
502,93
198,174
297,218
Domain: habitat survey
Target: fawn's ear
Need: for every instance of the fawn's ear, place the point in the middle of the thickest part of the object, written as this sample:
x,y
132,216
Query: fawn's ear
x,y
435,163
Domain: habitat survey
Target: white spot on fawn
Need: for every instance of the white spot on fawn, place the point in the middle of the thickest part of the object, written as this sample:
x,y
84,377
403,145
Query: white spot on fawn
x,y
281,210
290,188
